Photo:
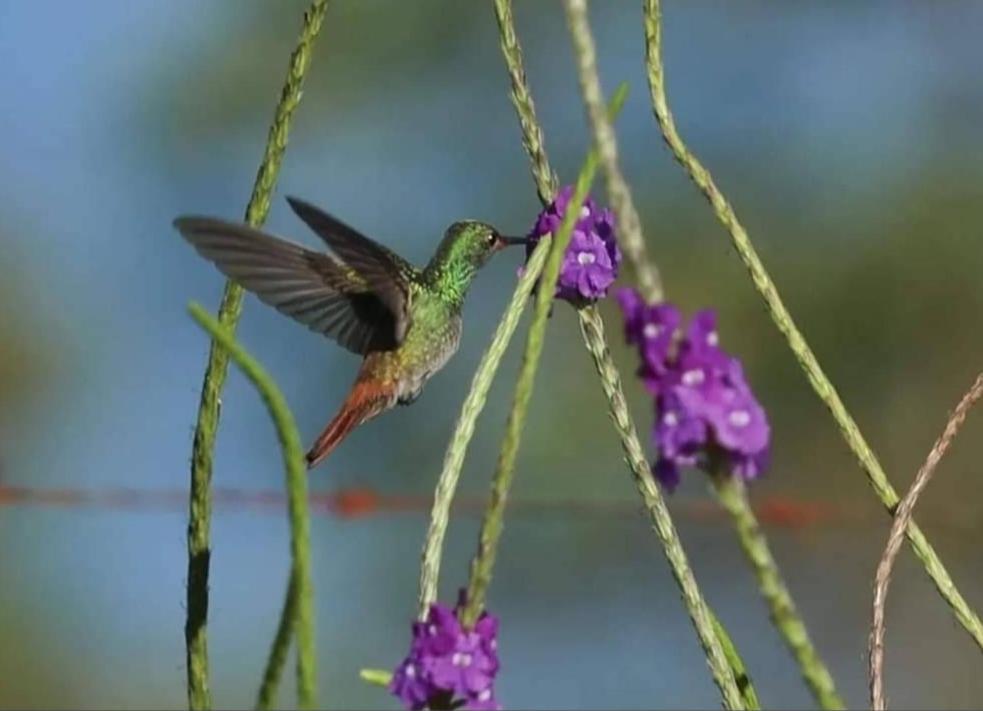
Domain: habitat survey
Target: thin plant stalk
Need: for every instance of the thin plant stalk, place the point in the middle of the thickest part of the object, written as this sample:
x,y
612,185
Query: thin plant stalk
x,y
376,677
630,237
546,185
762,281
732,495
532,133
741,675
206,427
300,585
647,278
592,327
277,659
902,518
494,519
474,403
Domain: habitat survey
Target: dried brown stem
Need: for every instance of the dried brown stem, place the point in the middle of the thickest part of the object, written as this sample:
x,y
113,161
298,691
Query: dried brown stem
x,y
902,518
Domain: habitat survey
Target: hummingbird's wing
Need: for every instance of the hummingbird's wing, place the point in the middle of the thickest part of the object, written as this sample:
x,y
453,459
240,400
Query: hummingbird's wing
x,y
319,291
387,273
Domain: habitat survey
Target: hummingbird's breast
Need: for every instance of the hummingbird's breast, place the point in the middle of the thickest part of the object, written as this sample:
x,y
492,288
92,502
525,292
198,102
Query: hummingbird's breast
x,y
431,339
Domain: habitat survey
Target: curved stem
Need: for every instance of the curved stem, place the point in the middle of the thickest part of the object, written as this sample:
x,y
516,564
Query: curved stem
x,y
741,676
546,186
266,699
592,327
532,134
300,587
901,520
783,321
732,495
200,501
630,236
464,429
494,520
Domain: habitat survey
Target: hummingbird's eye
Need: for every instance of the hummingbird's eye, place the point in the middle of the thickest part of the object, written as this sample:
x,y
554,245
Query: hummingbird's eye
x,y
491,239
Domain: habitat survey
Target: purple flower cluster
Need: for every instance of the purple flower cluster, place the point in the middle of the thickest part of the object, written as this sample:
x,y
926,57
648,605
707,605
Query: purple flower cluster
x,y
590,264
449,666
706,414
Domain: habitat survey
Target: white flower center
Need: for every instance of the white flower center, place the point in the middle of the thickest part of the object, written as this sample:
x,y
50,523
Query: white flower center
x,y
651,330
585,211
586,258
670,419
461,659
484,695
693,377
712,338
410,671
739,418
432,630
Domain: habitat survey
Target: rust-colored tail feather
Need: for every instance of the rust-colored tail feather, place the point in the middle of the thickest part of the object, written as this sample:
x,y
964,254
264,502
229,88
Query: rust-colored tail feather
x,y
366,400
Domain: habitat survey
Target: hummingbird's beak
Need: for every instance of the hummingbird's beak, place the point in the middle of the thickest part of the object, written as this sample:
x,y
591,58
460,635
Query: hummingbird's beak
x,y
508,241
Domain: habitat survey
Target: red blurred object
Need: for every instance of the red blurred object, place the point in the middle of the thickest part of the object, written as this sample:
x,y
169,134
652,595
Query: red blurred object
x,y
361,502
355,503
792,513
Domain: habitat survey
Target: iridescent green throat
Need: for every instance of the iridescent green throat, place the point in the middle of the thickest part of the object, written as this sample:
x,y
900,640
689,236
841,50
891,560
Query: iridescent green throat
x,y
460,255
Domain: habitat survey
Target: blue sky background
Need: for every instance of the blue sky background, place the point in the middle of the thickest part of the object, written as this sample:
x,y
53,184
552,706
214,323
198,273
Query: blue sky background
x,y
846,135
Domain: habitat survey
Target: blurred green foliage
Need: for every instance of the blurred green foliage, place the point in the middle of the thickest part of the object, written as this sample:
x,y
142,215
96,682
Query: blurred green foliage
x,y
878,260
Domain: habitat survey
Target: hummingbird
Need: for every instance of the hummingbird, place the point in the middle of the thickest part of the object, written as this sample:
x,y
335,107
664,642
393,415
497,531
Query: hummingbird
x,y
405,321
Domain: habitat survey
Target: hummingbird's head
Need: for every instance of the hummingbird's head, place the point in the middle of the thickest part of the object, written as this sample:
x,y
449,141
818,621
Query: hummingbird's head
x,y
473,243
464,250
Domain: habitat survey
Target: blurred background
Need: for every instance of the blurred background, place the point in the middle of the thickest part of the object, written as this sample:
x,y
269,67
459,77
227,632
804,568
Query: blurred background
x,y
848,138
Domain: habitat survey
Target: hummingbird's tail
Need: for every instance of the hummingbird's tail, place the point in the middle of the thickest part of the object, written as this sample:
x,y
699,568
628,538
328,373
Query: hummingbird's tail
x,y
366,400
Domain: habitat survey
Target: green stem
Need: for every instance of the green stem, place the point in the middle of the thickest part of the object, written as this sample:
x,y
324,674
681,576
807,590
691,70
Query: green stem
x,y
741,675
546,186
732,495
280,648
494,519
532,134
592,327
630,236
296,481
464,429
200,503
783,321
376,677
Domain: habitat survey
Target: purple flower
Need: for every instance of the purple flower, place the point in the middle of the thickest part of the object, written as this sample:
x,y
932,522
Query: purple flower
x,y
449,666
653,330
587,267
701,341
705,411
680,433
591,261
750,466
667,472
